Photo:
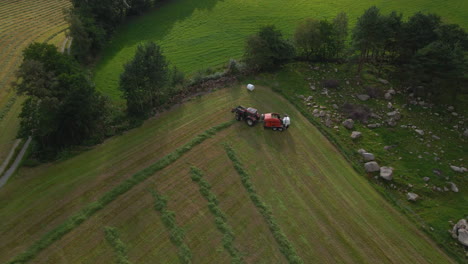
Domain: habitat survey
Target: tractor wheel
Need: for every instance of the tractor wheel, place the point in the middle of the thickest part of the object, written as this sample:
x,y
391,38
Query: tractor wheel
x,y
250,122
280,129
274,129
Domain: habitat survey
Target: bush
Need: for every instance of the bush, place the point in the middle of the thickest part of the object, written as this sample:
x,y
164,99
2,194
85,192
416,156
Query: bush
x,y
356,112
331,83
267,49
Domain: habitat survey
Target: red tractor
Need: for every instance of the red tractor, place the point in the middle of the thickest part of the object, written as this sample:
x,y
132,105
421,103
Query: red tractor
x,y
250,115
270,120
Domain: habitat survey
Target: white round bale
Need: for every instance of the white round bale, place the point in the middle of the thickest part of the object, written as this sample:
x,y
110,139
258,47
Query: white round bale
x,y
250,87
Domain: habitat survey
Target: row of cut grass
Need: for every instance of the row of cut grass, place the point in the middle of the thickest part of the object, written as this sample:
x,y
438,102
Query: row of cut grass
x,y
284,244
220,216
120,250
110,196
176,234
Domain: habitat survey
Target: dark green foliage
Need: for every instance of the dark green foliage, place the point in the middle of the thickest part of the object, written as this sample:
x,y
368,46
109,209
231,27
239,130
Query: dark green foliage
x,y
112,237
89,210
285,246
62,108
144,82
220,217
176,234
267,49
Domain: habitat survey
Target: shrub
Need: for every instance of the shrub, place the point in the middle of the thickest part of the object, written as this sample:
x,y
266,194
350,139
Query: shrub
x,y
356,112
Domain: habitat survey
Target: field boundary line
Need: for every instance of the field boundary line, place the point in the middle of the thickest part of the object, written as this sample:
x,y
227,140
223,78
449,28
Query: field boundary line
x,y
285,246
176,233
120,250
86,212
219,216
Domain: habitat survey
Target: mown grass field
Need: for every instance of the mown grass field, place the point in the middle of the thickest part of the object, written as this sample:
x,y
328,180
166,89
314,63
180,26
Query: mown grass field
x,y
196,35
328,212
22,22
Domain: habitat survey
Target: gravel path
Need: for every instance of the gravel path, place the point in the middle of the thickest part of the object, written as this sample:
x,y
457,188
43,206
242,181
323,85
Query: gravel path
x,y
15,165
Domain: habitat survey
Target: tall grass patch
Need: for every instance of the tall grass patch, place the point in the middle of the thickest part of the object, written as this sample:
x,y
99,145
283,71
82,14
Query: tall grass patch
x,y
120,250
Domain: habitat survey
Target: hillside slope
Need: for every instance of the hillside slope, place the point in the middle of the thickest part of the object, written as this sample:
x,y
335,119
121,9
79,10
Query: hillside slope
x,y
327,211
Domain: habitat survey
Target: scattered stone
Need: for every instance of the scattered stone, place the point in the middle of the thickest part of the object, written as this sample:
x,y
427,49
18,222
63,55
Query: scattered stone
x,y
383,81
373,125
371,166
335,106
391,91
454,114
420,132
356,135
458,169
309,98
435,137
465,134
451,108
322,113
347,82
312,87
328,122
335,127
395,115
363,97
388,96
391,122
460,232
453,187
315,111
388,147
389,105
302,97
368,156
386,173
412,196
426,179
437,172
348,123
361,151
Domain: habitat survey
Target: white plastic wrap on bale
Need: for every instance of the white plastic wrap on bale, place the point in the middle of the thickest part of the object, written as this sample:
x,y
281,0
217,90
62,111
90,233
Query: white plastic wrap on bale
x,y
250,87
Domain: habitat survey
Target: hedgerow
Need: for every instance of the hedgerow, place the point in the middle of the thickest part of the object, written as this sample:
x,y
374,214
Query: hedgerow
x,y
285,246
89,210
220,217
112,237
176,233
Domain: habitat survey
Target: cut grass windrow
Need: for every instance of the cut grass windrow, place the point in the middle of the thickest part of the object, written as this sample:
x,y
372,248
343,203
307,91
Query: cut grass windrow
x,y
89,210
220,216
284,244
176,233
112,237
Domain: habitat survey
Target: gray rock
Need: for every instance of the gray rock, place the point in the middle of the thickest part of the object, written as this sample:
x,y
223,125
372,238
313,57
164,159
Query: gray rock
x,y
388,96
458,169
315,111
391,122
463,236
388,147
451,108
302,97
360,151
373,125
309,98
363,97
328,122
390,105
383,81
368,156
371,166
426,179
312,87
453,187
391,91
465,134
335,106
395,115
412,196
454,114
435,137
420,132
348,123
386,173
322,113
356,135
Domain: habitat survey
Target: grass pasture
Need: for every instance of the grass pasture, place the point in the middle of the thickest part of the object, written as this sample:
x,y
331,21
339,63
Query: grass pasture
x,y
328,212
199,34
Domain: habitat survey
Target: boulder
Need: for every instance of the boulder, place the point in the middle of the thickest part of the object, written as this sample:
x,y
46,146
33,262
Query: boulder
x,y
435,137
312,87
420,132
453,187
391,91
309,98
391,122
368,156
390,105
360,151
458,169
388,96
373,125
386,173
348,123
371,166
322,113
465,133
460,232
412,196
451,108
463,236
356,135
363,97
426,179
395,115
383,81
328,122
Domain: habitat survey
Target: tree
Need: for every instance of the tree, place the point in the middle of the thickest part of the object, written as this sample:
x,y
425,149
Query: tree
x,y
144,80
307,37
62,108
267,49
340,23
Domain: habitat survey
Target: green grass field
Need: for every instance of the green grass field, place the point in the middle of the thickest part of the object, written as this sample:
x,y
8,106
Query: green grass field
x,y
328,212
199,34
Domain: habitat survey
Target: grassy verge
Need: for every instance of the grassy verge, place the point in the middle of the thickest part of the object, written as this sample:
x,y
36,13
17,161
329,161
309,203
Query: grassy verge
x,y
110,196
177,234
112,237
220,216
284,244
